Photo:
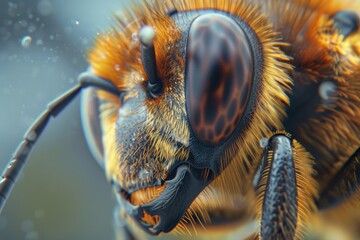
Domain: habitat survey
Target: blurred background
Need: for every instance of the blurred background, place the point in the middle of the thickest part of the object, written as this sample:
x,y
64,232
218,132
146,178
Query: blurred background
x,y
63,193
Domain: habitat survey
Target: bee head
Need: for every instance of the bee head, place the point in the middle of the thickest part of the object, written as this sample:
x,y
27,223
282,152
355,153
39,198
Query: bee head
x,y
192,104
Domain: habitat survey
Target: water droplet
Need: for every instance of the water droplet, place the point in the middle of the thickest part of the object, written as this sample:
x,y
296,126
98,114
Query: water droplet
x,y
143,174
264,142
117,67
31,136
26,41
327,90
135,37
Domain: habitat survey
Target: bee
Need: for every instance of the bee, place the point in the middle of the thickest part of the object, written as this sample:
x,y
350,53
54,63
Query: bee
x,y
224,119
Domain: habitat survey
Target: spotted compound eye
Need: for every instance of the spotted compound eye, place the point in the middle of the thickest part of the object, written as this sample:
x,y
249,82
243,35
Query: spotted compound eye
x,y
218,78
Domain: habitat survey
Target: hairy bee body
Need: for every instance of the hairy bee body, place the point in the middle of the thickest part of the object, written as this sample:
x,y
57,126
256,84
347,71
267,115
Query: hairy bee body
x,y
308,87
200,88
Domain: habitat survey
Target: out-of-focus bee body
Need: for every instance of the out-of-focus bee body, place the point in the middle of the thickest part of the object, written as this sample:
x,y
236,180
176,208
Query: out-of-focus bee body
x,y
198,84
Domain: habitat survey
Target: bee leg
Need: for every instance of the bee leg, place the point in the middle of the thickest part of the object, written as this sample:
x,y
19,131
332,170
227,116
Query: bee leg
x,y
343,185
285,187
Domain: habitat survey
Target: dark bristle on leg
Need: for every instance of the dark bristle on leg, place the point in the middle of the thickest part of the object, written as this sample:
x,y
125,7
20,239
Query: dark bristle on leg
x,y
279,212
285,187
18,161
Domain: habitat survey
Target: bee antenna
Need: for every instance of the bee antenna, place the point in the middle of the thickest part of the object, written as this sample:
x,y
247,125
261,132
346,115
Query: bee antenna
x,y
147,36
88,79
19,159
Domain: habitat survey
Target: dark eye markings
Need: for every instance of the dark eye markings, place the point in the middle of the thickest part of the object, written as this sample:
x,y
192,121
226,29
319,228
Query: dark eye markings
x,y
218,76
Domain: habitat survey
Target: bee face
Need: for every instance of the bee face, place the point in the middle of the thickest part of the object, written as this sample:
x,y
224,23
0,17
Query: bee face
x,y
175,142
151,136
211,112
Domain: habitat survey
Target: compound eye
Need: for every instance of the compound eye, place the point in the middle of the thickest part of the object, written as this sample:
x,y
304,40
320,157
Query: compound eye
x,y
218,77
